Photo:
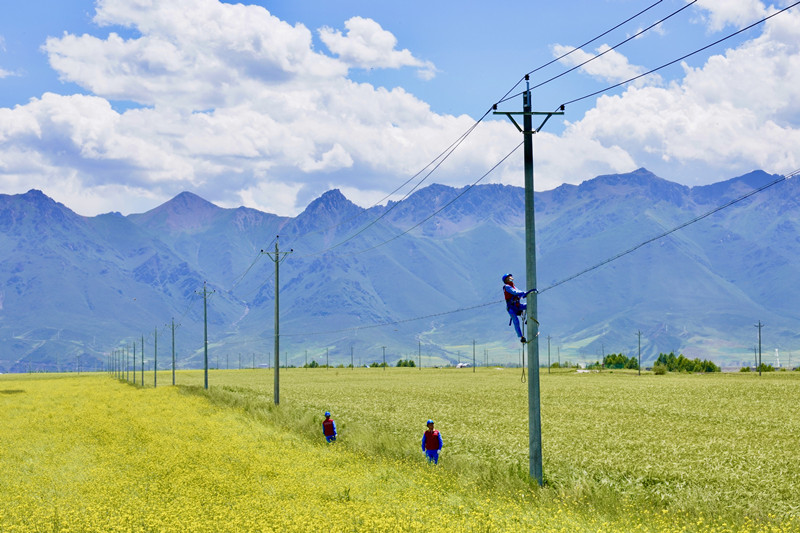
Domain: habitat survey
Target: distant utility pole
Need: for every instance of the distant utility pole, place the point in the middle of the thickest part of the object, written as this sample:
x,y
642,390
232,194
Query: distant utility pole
x,y
351,358
205,332
327,364
384,357
639,333
419,353
534,397
473,356
278,258
173,352
548,354
155,359
142,361
759,326
134,362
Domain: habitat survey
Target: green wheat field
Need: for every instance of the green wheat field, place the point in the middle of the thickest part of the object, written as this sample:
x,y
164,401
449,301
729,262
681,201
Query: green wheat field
x,y
622,452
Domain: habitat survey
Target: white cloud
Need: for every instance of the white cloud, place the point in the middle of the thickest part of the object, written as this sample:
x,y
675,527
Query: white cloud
x,y
736,13
737,112
610,65
241,108
236,99
367,45
197,54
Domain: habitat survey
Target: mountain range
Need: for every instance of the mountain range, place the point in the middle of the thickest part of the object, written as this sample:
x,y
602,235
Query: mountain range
x,y
418,278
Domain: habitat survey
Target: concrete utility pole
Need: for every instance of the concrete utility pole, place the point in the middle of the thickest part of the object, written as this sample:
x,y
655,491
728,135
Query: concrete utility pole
x,y
173,352
548,354
759,326
639,333
473,356
278,258
534,407
155,359
205,332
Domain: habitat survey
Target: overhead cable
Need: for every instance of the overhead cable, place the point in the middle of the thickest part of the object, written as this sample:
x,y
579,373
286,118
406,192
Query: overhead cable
x,y
570,278
595,93
601,54
579,47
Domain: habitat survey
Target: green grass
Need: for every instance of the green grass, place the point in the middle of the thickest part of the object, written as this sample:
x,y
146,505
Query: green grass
x,y
622,452
718,445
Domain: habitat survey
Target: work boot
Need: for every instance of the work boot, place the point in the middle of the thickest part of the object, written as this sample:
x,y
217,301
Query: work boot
x,y
523,340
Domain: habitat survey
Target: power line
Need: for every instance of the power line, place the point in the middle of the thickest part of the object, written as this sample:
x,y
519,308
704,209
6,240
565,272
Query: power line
x,y
445,206
673,230
559,58
595,93
445,153
450,151
581,273
601,54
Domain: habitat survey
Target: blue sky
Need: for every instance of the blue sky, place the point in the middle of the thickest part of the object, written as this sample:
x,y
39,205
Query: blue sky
x,y
122,104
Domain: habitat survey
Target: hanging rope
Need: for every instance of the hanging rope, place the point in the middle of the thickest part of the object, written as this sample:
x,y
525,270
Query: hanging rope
x,y
523,379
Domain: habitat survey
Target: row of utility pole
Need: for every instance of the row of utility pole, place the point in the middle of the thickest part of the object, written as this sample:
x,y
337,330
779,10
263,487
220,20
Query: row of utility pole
x,y
119,360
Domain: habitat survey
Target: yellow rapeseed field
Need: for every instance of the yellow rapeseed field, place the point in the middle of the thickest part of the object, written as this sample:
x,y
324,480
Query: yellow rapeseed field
x,y
90,453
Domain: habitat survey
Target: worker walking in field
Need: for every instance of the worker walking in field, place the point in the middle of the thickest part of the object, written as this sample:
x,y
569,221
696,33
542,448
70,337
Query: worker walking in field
x,y
329,428
432,443
514,306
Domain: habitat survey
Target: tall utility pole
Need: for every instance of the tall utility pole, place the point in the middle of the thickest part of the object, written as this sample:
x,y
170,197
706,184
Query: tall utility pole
x,y
384,357
205,333
639,333
419,353
327,365
351,358
534,406
278,258
142,361
134,361
548,354
759,326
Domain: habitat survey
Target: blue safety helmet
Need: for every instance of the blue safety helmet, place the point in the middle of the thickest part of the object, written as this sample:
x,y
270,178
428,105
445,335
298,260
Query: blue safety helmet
x,y
429,422
505,276
327,413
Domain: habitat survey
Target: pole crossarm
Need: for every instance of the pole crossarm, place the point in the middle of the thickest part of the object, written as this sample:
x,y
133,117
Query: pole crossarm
x,y
546,114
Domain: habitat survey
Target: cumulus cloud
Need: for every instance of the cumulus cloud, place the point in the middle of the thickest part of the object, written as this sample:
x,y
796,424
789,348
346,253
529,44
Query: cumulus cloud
x,y
737,13
607,65
367,45
238,106
235,104
737,112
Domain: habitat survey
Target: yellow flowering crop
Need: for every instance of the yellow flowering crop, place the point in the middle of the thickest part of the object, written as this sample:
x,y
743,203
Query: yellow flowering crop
x,y
89,453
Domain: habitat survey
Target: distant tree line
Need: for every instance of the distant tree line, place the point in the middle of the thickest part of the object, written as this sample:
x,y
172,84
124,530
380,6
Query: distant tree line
x,y
670,363
404,362
620,360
